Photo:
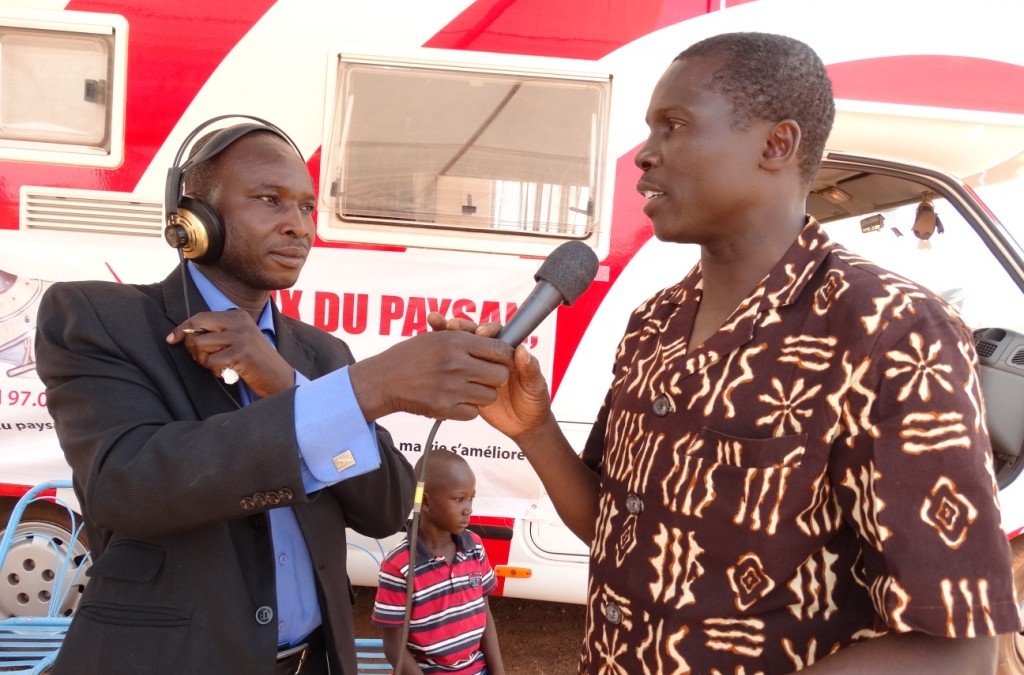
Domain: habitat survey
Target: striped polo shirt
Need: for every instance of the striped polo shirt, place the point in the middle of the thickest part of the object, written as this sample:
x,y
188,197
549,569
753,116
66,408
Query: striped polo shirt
x,y
448,614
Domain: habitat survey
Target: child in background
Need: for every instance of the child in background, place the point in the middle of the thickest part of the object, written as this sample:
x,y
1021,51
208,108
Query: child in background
x,y
451,630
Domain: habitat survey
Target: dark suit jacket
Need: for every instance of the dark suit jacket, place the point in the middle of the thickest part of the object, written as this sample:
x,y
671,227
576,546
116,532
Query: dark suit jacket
x,y
175,480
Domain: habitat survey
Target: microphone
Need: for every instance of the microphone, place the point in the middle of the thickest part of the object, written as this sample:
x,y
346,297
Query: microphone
x,y
563,277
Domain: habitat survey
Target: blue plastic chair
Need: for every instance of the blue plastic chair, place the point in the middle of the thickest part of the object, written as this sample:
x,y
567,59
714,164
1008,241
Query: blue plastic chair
x,y
50,563
370,658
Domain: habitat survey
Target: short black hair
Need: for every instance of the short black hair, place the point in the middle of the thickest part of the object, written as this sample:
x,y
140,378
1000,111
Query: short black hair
x,y
440,464
201,180
774,77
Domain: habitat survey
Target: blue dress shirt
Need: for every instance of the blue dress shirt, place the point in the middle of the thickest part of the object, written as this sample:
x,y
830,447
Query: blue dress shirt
x,y
328,421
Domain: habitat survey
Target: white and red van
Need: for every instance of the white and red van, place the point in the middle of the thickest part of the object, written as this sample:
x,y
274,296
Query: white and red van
x,y
455,143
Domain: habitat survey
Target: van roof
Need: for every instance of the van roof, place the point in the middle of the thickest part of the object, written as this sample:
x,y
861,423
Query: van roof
x,y
978,147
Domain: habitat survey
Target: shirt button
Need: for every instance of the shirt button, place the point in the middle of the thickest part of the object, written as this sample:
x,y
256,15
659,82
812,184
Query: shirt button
x,y
613,613
661,406
264,615
634,504
283,559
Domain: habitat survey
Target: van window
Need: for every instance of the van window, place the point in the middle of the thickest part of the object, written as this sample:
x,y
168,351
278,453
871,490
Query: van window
x,y
876,216
464,152
60,86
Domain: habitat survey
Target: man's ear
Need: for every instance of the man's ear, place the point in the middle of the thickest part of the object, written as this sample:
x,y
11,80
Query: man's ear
x,y
781,146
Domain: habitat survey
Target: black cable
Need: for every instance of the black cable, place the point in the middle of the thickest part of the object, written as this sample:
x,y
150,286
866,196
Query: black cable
x,y
417,502
184,284
188,315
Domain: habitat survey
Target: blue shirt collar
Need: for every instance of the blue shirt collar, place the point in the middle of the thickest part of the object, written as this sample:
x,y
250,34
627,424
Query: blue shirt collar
x,y
218,302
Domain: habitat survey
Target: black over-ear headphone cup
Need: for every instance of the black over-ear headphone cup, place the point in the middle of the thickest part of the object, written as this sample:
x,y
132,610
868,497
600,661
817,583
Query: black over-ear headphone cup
x,y
201,230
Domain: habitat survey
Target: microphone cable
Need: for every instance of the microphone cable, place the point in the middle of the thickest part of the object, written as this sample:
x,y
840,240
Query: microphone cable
x,y
410,576
561,279
188,314
184,283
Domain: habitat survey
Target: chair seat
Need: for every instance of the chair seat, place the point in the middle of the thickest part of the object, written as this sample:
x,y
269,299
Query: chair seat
x,y
30,643
370,657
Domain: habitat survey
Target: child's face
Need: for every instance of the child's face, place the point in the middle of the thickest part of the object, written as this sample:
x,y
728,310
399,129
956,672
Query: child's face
x,y
451,505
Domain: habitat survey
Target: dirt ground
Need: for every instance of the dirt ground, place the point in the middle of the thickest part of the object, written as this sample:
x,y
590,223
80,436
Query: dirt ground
x,y
536,637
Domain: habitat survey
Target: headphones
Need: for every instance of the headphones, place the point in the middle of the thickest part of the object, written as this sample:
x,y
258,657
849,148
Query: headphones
x,y
193,226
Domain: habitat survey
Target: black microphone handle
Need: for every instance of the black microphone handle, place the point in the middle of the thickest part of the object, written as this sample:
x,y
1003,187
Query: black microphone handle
x,y
543,299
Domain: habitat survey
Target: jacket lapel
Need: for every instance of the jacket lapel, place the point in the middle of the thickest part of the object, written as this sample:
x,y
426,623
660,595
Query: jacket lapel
x,y
196,379
298,355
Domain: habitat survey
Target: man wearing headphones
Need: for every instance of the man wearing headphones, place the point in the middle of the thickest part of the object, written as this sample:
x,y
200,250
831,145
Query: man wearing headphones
x,y
220,449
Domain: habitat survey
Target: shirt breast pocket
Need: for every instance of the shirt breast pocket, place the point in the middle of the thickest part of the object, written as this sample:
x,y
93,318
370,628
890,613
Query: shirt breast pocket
x,y
752,453
751,486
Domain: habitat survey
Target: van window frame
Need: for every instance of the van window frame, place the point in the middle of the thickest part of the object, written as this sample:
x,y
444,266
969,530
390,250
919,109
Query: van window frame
x,y
110,31
581,207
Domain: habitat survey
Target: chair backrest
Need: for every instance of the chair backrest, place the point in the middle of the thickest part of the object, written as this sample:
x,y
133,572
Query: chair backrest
x,y
43,558
43,555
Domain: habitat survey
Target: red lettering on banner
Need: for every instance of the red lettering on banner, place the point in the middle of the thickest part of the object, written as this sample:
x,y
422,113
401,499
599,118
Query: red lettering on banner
x,y
413,311
462,309
391,308
439,306
326,307
415,317
290,303
349,312
491,311
355,315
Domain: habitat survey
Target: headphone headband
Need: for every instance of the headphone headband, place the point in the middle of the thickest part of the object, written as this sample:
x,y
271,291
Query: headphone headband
x,y
174,187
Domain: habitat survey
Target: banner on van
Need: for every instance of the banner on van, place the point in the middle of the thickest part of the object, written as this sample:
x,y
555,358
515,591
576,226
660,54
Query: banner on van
x,y
370,299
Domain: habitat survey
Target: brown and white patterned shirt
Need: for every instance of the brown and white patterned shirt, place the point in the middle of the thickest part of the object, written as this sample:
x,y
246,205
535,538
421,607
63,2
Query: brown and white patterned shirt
x,y
817,473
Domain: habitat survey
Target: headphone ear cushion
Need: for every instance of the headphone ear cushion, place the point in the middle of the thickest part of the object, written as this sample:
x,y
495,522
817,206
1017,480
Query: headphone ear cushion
x,y
202,229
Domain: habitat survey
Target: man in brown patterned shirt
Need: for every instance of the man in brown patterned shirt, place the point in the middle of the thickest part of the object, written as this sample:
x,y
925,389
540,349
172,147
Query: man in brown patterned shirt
x,y
791,469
